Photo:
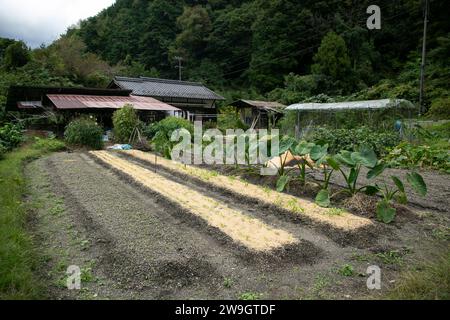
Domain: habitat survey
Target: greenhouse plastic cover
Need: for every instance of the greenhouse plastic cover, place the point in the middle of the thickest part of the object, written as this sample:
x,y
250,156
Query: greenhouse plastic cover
x,y
353,105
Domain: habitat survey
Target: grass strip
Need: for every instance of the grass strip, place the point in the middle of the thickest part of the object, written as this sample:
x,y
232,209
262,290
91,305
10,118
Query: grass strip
x,y
17,258
431,282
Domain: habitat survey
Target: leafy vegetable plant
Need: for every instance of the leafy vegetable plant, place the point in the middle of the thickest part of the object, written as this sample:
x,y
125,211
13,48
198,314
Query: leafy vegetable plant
x,y
385,211
354,161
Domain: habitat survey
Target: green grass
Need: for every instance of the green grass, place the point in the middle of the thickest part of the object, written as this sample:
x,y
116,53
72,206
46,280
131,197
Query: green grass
x,y
346,270
390,257
17,258
432,282
335,212
250,296
227,283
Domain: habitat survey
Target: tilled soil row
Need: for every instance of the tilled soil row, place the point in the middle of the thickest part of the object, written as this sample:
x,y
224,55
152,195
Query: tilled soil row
x,y
345,228
250,232
129,268
230,224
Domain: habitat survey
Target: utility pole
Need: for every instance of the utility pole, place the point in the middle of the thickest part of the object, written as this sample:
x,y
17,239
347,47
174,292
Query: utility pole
x,y
422,65
179,67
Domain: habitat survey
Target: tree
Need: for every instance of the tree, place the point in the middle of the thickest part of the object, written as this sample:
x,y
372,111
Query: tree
x,y
332,58
332,61
16,55
159,32
77,64
278,42
195,26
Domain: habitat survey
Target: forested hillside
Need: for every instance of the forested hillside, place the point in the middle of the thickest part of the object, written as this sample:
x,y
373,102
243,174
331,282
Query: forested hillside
x,y
287,50
257,43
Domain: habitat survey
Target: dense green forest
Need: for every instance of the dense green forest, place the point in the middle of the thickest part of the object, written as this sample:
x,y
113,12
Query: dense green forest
x,y
286,50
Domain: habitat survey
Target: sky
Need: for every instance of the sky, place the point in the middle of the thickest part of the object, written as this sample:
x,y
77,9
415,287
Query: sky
x,y
39,22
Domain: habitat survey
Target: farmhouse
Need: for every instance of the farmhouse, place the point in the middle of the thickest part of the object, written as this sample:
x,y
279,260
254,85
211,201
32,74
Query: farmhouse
x,y
45,102
196,101
259,114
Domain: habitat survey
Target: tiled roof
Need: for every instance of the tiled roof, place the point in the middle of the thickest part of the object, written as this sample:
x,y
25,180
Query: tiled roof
x,y
166,88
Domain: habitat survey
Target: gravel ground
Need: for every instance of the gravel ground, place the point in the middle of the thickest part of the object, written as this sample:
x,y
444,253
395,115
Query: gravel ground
x,y
139,245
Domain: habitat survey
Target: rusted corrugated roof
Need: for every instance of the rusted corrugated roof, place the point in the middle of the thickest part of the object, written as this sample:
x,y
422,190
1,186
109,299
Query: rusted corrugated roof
x,y
73,101
38,93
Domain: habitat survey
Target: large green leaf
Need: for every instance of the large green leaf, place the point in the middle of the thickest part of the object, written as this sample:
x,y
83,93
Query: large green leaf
x,y
317,152
345,157
417,183
352,176
398,183
286,144
333,163
366,157
385,212
371,190
323,198
303,148
282,182
376,171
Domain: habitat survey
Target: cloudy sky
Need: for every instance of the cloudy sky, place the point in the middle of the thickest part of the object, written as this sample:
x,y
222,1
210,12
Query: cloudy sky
x,y
42,21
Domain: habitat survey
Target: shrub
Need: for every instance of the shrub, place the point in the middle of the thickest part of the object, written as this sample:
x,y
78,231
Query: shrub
x,y
229,118
125,121
440,109
423,156
352,139
10,136
48,145
161,132
84,132
441,130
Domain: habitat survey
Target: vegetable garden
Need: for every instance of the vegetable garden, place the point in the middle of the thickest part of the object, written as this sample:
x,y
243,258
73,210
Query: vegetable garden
x,y
340,199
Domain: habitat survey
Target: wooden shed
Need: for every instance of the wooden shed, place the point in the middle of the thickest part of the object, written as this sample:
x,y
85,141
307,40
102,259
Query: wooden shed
x,y
259,114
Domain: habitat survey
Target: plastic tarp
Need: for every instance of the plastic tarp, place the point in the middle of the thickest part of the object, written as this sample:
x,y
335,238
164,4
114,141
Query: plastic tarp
x,y
120,147
353,105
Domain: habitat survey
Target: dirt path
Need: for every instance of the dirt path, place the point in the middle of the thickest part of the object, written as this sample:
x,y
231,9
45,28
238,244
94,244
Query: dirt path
x,y
136,244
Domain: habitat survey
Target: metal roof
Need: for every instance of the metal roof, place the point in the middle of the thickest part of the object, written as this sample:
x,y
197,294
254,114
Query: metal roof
x,y
353,105
264,105
38,93
72,101
166,88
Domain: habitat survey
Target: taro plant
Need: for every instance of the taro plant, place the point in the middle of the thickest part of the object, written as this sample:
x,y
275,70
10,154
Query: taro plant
x,y
319,154
303,149
385,211
354,161
286,145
